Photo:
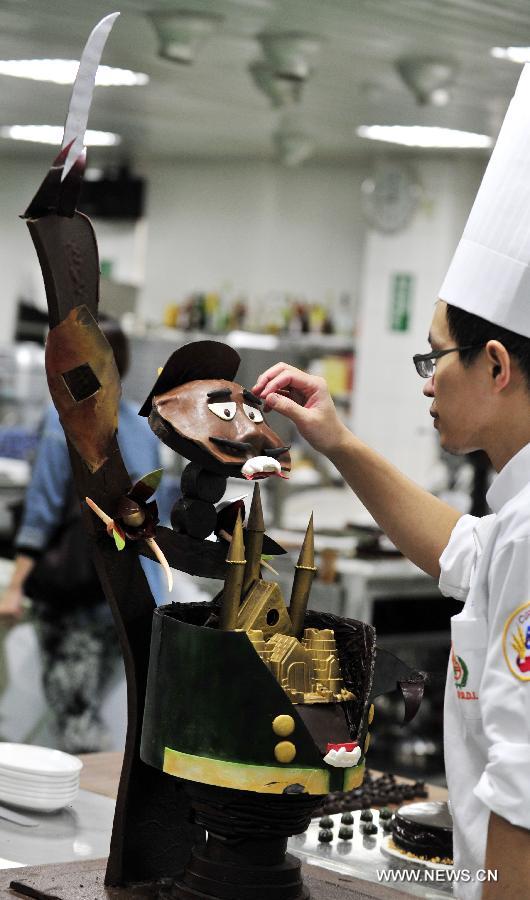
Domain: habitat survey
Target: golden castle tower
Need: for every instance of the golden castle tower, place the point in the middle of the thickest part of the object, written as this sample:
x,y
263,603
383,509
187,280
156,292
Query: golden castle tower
x,y
304,661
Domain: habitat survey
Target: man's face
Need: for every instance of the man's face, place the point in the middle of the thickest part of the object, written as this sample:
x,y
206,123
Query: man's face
x,y
460,396
223,420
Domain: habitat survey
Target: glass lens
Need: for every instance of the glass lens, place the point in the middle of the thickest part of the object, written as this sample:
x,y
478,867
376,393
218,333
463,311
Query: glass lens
x,y
425,367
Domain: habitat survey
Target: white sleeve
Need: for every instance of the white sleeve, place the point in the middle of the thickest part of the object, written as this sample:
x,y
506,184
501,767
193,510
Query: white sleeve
x,y
458,559
505,687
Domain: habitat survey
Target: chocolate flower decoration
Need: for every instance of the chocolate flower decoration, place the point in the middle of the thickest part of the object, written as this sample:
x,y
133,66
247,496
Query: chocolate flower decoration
x,y
135,518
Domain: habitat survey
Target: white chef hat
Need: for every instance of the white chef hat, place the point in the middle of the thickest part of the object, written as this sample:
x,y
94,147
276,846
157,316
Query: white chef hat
x,y
490,272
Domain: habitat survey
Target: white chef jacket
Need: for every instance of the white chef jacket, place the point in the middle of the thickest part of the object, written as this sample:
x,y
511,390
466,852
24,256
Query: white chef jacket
x,y
487,698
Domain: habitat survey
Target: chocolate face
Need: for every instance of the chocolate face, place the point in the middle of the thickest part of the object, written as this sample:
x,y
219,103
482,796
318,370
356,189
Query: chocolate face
x,y
218,424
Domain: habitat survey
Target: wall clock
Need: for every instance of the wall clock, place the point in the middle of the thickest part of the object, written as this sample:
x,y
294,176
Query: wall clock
x,y
390,197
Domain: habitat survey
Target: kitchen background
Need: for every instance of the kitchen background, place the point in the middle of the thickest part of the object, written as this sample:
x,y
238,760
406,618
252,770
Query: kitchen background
x,y
267,215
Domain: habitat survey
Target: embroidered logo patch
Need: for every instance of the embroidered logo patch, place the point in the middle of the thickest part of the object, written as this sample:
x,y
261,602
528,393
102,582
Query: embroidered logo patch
x,y
460,670
516,642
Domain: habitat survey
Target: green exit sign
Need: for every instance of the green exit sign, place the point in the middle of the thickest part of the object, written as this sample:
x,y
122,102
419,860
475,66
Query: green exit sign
x,y
401,293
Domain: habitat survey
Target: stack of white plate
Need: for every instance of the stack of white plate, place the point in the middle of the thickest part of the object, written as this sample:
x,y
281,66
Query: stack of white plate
x,y
38,777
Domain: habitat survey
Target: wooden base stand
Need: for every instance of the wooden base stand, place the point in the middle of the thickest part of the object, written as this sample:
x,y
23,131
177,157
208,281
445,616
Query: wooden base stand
x,y
244,857
207,878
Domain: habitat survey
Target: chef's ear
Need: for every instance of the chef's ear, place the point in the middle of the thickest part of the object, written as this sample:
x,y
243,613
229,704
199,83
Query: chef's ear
x,y
499,362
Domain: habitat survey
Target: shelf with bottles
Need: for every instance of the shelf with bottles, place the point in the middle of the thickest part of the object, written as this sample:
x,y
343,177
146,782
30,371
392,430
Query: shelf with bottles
x,y
338,370
275,315
306,345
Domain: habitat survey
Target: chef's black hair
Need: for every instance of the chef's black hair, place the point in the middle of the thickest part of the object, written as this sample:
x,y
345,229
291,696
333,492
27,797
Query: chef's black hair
x,y
466,328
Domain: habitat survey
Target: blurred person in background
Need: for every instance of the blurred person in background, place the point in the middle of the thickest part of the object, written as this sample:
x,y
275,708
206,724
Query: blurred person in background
x,y
78,643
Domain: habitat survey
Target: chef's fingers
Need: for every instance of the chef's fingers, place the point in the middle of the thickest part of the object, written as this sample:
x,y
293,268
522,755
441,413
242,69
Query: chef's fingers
x,y
266,376
292,381
287,407
270,374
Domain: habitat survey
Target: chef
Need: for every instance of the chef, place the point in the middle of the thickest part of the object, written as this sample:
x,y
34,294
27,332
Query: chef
x,y
478,380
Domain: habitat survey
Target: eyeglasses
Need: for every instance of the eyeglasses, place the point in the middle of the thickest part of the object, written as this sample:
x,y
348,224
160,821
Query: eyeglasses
x,y
425,362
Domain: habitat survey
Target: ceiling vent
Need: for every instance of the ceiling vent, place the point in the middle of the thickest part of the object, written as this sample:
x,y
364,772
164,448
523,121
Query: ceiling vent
x,y
181,33
280,91
287,63
290,55
429,79
292,147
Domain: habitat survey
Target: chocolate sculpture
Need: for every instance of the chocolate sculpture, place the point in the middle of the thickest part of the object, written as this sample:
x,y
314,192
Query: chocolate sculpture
x,y
242,713
197,409
258,757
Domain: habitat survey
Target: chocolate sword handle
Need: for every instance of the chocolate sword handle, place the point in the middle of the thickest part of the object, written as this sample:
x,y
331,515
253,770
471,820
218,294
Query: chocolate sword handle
x,y
68,256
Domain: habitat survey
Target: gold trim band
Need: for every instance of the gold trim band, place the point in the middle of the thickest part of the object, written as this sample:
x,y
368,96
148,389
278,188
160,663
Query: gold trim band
x,y
242,776
353,778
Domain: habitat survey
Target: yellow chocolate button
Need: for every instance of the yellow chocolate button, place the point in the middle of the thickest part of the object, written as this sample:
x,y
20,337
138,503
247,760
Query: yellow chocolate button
x,y
371,712
366,743
285,751
283,725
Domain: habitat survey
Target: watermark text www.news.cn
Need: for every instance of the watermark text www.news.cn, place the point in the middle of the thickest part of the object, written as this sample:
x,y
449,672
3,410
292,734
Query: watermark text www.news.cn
x,y
430,876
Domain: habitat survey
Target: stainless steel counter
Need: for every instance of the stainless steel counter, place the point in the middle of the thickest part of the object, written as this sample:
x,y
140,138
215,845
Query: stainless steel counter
x,y
80,831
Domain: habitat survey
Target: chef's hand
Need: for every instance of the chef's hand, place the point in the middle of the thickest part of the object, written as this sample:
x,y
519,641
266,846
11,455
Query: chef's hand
x,y
305,399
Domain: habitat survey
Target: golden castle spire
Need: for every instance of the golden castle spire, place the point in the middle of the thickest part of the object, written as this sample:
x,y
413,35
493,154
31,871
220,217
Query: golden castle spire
x,y
234,579
255,531
308,670
303,578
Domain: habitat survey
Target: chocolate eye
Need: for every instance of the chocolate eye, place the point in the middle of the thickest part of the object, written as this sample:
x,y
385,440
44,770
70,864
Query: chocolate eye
x,y
252,413
225,411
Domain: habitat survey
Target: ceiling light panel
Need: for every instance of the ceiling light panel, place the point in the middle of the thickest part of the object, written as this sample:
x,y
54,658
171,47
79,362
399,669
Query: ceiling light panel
x,y
63,71
53,134
512,54
425,136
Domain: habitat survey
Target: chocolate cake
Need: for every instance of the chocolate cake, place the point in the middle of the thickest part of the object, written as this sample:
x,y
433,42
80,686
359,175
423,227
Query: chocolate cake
x,y
424,830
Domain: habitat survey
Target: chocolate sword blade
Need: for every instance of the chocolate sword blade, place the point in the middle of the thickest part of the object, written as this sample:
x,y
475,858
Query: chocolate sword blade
x,y
50,196
83,89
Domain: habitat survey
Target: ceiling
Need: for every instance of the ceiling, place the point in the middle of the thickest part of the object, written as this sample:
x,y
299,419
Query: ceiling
x,y
213,109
